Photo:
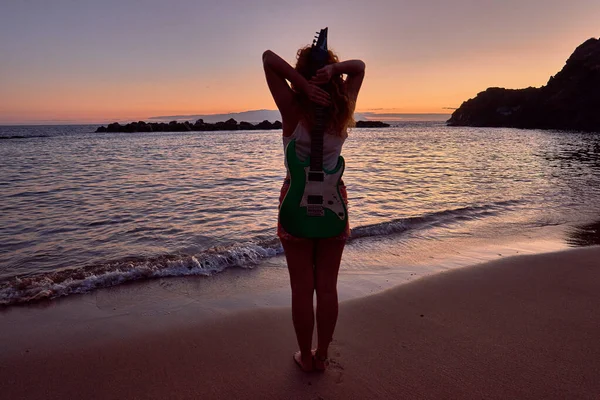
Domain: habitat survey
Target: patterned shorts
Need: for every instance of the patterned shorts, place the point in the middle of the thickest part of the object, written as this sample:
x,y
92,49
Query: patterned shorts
x,y
282,234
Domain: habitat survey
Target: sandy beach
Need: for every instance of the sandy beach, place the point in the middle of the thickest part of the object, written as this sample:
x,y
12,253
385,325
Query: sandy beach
x,y
524,327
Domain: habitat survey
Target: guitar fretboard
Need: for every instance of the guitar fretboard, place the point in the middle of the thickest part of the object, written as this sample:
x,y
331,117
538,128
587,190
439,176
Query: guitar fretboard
x,y
316,139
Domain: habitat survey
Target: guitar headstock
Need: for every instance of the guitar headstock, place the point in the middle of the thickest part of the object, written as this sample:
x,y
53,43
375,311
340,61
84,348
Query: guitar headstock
x,y
319,51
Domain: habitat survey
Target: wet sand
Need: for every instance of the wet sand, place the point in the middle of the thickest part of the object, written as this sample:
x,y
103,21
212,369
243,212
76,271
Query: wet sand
x,y
523,327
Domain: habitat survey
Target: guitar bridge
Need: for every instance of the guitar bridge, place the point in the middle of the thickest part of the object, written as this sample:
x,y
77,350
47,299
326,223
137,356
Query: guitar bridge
x,y
315,210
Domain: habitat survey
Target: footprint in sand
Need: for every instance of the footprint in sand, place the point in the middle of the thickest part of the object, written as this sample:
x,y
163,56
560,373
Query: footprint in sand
x,y
334,364
165,284
337,369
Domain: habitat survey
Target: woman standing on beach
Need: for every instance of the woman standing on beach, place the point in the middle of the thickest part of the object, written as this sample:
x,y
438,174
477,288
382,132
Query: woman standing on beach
x,y
313,264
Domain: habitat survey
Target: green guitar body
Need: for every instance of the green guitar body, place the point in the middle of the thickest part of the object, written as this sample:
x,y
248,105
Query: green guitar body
x,y
297,214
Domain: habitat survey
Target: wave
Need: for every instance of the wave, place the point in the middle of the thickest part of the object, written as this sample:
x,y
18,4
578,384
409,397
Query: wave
x,y
22,137
434,219
50,285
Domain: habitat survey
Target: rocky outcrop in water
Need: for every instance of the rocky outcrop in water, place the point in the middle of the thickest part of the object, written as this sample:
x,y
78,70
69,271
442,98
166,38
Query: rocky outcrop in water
x,y
371,124
199,125
229,125
569,101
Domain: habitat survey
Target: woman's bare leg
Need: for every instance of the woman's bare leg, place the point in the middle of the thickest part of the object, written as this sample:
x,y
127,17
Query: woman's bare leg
x,y
300,258
327,264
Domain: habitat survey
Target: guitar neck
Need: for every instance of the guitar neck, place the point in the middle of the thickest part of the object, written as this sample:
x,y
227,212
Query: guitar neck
x,y
319,56
316,139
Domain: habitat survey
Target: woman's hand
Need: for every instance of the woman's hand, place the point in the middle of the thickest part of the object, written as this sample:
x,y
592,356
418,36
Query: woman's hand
x,y
317,95
323,75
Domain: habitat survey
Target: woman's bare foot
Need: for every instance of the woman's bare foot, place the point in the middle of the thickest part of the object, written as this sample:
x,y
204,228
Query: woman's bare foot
x,y
305,364
320,361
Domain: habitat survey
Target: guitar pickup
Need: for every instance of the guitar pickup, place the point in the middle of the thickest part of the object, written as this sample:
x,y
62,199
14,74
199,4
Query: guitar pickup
x,y
312,199
316,176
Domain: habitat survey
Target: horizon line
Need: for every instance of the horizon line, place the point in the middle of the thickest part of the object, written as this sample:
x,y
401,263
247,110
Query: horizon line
x,y
100,121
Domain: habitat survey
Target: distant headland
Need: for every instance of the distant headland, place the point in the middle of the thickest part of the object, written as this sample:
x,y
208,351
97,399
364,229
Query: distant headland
x,y
569,101
229,125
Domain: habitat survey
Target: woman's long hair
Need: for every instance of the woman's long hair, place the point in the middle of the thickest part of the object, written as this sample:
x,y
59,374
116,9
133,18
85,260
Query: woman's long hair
x,y
341,108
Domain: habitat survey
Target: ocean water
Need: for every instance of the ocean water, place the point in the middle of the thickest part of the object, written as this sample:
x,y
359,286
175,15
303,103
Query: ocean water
x,y
81,210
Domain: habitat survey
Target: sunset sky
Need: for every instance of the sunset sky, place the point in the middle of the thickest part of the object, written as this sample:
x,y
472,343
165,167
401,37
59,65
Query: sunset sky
x,y
99,61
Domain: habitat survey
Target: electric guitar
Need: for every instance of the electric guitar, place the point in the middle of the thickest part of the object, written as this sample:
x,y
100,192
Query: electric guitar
x,y
313,206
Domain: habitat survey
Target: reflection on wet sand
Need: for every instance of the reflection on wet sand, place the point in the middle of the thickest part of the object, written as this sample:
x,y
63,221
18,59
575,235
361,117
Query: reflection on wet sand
x,y
585,235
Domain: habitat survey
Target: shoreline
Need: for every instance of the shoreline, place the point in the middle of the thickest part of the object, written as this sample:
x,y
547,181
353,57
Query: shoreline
x,y
369,266
519,327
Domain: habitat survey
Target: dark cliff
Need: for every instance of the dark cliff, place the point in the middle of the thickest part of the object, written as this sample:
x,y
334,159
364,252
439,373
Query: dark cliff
x,y
569,101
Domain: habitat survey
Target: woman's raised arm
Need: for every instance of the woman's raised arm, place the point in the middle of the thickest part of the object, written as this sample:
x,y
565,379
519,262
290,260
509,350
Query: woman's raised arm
x,y
355,69
277,73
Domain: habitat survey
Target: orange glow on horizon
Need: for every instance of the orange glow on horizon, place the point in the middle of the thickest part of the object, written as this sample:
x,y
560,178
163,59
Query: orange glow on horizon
x,y
427,88
429,80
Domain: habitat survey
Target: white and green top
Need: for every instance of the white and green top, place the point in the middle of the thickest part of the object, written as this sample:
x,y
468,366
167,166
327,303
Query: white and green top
x,y
332,145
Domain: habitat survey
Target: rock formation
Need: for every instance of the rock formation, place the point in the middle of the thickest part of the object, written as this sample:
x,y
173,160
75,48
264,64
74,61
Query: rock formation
x,y
229,125
569,101
371,124
199,125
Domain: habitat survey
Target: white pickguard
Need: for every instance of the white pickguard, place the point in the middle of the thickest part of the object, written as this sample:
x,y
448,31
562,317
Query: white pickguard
x,y
328,189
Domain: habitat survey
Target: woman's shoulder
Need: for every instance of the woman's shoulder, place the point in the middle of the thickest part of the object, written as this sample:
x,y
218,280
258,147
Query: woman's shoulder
x,y
291,126
337,133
